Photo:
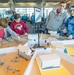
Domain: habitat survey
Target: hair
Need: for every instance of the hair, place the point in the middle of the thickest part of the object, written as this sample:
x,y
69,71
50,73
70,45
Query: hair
x,y
64,2
7,17
71,7
16,16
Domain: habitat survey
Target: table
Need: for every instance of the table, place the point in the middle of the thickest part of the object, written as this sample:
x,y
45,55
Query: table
x,y
34,70
69,67
12,42
8,58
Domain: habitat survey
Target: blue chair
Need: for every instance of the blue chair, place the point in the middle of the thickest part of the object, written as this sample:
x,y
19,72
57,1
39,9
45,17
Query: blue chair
x,y
24,18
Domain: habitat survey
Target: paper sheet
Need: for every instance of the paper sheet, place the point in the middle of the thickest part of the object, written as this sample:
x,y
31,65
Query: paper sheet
x,y
58,71
50,39
70,51
1,72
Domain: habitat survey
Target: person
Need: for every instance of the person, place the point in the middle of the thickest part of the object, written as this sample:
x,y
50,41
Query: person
x,y
3,33
4,22
33,19
57,18
18,25
12,16
69,25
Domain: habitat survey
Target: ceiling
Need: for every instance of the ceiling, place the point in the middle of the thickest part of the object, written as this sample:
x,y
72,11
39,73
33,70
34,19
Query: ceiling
x,y
31,3
16,1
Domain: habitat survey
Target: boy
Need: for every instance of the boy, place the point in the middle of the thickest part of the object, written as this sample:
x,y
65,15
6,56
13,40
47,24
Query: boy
x,y
69,25
3,33
19,26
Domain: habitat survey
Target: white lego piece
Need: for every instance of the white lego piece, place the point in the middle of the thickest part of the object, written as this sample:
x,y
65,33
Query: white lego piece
x,y
58,44
53,33
48,61
24,51
50,39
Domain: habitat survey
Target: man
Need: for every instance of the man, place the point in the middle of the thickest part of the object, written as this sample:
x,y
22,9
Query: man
x,y
69,25
57,18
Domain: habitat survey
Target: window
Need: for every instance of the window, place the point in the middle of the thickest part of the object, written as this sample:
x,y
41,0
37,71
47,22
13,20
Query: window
x,y
47,11
3,12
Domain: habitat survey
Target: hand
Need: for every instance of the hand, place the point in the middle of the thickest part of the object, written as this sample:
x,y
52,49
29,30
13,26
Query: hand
x,y
26,33
1,27
69,37
64,31
18,38
0,39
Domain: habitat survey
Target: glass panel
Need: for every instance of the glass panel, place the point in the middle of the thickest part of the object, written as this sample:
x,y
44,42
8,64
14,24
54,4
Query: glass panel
x,y
3,13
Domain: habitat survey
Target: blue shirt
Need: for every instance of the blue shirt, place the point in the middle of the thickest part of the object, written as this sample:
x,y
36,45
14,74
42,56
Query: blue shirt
x,y
32,18
12,17
69,26
24,17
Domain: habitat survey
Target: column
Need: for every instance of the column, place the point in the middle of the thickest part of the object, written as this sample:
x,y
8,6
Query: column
x,y
11,4
72,3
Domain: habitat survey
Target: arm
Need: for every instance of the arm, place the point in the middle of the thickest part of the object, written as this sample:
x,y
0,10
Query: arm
x,y
0,40
48,17
69,27
25,27
11,31
64,24
65,27
12,26
70,30
1,27
13,34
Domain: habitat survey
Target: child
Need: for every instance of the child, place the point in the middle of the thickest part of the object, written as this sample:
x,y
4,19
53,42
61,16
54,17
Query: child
x,y
19,26
69,25
3,33
4,22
